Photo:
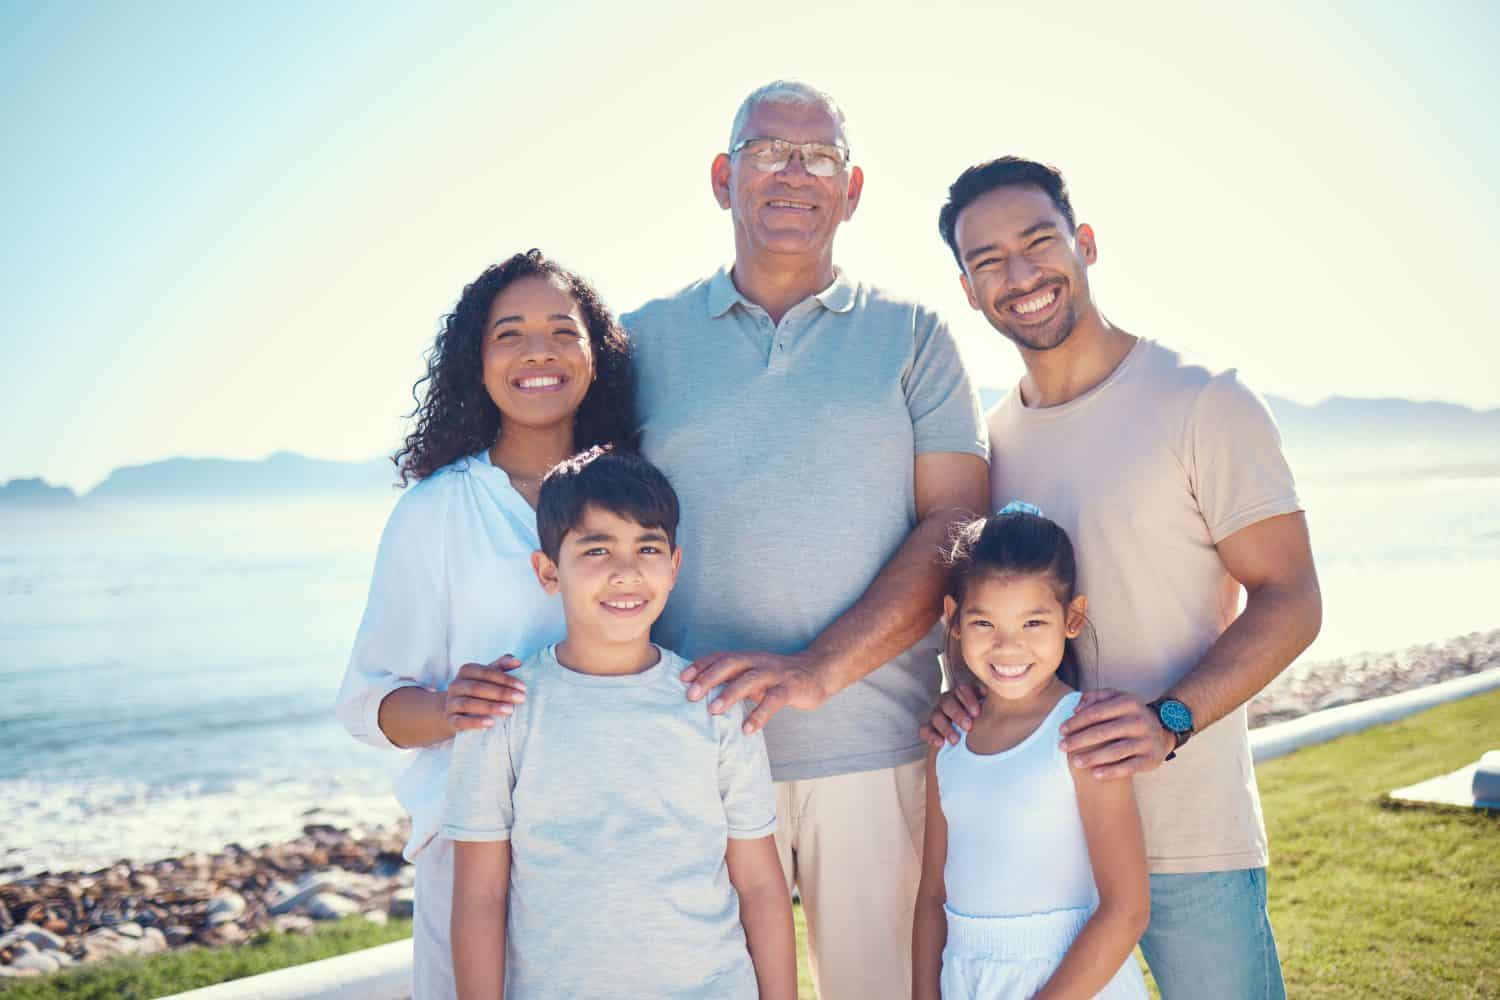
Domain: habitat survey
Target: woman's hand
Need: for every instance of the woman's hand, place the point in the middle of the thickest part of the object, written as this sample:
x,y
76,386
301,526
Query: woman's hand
x,y
482,691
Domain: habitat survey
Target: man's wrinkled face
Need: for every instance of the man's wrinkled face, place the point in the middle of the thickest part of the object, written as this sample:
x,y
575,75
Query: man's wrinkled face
x,y
789,211
1023,267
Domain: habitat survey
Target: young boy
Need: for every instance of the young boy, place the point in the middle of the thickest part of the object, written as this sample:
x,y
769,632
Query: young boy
x,y
613,839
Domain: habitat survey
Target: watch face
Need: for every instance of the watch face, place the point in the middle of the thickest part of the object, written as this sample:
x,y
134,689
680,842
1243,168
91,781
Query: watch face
x,y
1175,716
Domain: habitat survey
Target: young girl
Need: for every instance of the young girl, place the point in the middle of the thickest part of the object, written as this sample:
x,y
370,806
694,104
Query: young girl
x,y
1034,875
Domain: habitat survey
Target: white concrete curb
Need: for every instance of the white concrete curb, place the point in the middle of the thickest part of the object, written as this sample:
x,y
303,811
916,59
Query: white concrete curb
x,y
1281,738
384,973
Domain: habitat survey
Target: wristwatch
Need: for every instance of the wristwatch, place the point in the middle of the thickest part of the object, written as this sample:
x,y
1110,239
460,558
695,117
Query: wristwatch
x,y
1176,718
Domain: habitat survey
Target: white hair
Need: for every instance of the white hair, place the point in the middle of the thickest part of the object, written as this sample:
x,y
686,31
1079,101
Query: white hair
x,y
793,92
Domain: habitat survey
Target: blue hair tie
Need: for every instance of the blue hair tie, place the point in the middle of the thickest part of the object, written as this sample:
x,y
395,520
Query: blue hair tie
x,y
1020,507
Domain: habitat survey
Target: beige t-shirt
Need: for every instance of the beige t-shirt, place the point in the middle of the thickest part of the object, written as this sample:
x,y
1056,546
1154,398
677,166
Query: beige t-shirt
x,y
1147,472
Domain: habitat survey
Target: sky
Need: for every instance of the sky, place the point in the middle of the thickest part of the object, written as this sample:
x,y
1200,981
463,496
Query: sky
x,y
233,229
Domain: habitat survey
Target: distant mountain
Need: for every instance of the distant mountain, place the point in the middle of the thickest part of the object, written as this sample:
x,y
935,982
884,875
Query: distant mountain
x,y
36,494
284,474
1340,438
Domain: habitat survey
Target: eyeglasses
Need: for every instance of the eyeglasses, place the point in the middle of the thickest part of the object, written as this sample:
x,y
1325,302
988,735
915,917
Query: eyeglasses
x,y
820,159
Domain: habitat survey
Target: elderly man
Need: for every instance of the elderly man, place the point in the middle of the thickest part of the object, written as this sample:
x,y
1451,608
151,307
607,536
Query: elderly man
x,y
1170,480
823,437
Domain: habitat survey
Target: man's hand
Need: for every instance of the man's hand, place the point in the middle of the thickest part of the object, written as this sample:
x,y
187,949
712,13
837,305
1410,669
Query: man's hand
x,y
956,709
774,681
482,691
1115,734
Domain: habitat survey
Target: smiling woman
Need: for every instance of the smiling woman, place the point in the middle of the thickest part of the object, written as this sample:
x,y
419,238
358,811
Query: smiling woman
x,y
461,410
529,367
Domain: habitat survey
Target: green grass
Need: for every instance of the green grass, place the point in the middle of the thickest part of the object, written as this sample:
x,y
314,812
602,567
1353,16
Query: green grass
x,y
1372,899
1368,899
190,968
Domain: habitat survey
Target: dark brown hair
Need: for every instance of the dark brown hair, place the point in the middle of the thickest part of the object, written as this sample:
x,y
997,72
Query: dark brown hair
x,y
1018,543
455,414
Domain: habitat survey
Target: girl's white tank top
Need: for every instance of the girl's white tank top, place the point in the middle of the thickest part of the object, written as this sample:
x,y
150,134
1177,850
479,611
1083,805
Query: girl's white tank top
x,y
1015,839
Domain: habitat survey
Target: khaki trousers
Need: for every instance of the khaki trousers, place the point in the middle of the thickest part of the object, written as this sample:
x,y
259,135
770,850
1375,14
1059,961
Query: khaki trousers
x,y
852,847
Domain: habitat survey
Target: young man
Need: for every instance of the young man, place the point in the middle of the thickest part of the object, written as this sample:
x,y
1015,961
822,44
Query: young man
x,y
612,839
1171,482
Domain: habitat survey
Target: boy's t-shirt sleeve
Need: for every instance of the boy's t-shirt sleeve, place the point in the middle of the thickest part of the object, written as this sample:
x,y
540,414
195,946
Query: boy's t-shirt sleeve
x,y
481,779
745,778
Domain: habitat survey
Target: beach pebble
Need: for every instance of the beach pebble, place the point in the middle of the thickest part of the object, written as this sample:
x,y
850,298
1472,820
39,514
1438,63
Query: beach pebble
x,y
105,943
225,907
388,863
292,923
333,881
41,961
403,903
331,906
11,972
42,938
221,935
152,941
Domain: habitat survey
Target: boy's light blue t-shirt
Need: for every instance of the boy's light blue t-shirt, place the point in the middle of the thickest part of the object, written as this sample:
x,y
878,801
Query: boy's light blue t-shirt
x,y
618,797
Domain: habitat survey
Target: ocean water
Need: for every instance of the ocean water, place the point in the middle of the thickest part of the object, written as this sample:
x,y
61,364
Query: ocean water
x,y
168,677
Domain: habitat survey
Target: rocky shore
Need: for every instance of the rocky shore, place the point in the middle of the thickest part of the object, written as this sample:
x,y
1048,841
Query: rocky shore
x,y
52,921
1312,687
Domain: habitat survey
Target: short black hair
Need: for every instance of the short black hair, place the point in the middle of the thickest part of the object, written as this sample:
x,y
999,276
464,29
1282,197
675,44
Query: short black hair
x,y
620,482
1006,171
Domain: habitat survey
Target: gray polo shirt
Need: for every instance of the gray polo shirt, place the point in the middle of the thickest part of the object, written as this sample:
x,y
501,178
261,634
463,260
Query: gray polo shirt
x,y
791,446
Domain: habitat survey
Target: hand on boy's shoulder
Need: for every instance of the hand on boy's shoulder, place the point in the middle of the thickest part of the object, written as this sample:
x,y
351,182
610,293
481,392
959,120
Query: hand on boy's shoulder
x,y
771,680
482,692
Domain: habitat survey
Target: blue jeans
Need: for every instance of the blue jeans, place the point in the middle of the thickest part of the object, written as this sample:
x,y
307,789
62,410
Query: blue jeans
x,y
1210,936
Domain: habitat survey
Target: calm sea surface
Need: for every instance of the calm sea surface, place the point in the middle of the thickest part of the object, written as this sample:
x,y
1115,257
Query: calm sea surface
x,y
168,678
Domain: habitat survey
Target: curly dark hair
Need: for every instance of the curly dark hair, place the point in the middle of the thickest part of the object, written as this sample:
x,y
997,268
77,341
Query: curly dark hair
x,y
455,415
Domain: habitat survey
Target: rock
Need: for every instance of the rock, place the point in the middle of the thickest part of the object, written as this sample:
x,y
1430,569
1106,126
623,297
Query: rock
x,y
41,937
105,943
152,941
177,935
226,907
403,903
376,917
332,881
130,929
331,906
148,884
41,961
292,923
221,935
388,863
11,972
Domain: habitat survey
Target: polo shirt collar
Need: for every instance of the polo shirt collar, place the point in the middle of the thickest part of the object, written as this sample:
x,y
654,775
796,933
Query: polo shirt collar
x,y
722,295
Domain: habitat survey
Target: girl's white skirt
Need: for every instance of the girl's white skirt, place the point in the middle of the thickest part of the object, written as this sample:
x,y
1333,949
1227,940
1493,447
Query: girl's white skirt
x,y
997,958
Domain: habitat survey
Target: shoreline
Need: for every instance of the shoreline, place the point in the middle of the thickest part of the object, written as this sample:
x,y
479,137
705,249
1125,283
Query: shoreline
x,y
52,921
57,920
1304,688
